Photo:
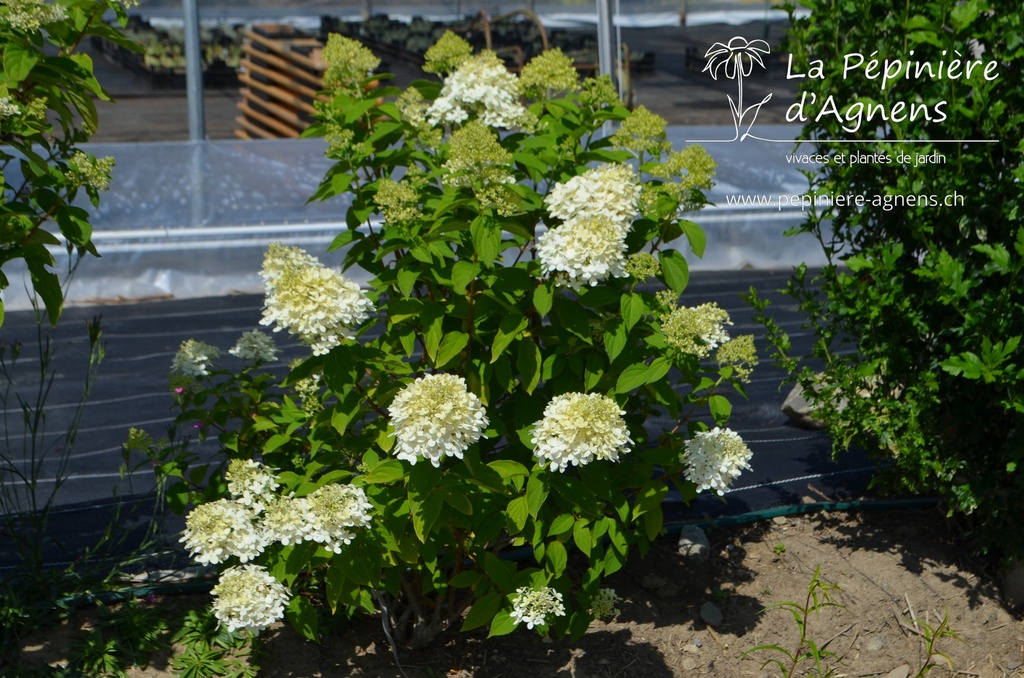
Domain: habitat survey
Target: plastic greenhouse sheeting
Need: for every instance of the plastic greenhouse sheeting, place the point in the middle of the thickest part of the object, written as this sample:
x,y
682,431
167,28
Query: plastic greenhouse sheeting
x,y
188,219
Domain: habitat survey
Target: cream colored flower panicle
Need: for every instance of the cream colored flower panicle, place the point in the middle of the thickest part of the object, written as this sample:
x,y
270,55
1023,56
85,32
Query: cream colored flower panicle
x,y
220,529
318,304
248,597
251,483
447,54
436,417
481,86
549,72
287,520
715,458
740,354
578,428
194,358
348,62
86,170
609,191
583,251
334,512
534,606
30,15
255,346
603,605
8,108
698,330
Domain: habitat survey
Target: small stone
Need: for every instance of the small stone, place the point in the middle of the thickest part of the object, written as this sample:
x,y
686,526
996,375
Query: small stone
x,y
877,643
799,411
692,648
780,520
697,641
710,614
603,661
694,544
899,672
689,663
1012,664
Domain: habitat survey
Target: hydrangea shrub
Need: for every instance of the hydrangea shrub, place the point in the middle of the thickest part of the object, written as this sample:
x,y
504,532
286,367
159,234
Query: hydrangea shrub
x,y
47,110
518,378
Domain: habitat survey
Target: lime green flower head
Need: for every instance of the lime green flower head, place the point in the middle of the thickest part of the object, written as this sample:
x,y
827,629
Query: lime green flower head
x,y
643,132
548,73
447,54
349,64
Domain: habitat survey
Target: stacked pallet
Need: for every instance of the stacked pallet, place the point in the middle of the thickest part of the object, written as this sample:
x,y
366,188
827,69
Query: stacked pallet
x,y
281,73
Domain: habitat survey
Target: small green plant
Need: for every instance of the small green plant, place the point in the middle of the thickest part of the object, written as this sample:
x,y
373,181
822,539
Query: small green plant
x,y
779,549
931,635
211,650
124,637
819,596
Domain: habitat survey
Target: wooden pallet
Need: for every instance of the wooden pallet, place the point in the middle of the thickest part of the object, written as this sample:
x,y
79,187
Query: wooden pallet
x,y
281,74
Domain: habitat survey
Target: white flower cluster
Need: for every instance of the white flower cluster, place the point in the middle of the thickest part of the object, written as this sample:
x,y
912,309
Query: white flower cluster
x,y
8,108
715,458
218,530
248,597
603,605
608,191
578,428
597,209
256,517
480,85
534,605
698,330
194,358
308,299
30,15
255,346
335,510
583,252
434,417
251,483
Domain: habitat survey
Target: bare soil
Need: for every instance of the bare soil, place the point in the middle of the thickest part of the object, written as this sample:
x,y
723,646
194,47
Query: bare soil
x,y
897,571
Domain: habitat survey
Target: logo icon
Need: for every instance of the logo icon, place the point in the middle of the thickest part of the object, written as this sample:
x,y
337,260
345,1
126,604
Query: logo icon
x,y
736,61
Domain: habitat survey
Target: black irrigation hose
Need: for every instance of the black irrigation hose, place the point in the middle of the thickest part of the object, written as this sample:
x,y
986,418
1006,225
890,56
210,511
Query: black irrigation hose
x,y
524,553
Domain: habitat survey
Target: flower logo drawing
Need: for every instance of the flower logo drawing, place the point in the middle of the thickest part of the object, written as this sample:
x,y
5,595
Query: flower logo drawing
x,y
736,60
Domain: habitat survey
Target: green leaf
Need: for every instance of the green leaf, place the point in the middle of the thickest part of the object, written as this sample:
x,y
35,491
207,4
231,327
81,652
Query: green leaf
x,y
557,558
466,579
721,408
451,346
583,537
18,63
47,286
486,239
528,362
518,511
675,270
302,615
615,338
561,524
508,468
463,273
482,612
511,326
543,296
536,493
387,471
425,514
571,316
631,307
407,278
695,234
639,374
432,338
502,624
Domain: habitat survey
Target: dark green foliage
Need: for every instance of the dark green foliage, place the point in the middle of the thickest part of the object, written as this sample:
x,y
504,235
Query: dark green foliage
x,y
921,311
